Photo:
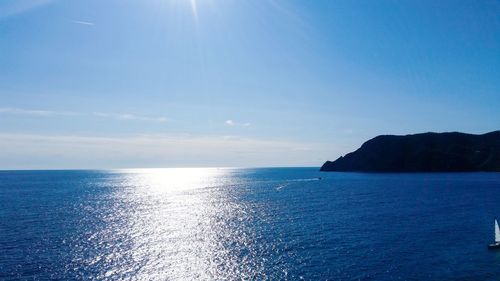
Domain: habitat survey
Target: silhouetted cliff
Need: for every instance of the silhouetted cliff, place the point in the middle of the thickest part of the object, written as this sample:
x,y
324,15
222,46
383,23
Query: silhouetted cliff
x,y
428,152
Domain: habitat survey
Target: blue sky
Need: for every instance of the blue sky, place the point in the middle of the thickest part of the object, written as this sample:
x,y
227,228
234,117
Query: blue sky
x,y
169,83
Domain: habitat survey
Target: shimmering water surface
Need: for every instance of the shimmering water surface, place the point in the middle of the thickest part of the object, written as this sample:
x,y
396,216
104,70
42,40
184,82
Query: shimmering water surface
x,y
261,224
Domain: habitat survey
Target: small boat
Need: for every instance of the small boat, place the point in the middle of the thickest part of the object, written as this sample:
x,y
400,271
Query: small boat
x,y
496,245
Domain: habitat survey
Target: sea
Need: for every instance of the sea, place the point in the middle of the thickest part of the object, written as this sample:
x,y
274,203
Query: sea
x,y
247,224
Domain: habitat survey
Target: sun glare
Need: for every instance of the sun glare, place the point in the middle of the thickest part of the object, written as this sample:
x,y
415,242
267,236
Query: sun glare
x,y
176,179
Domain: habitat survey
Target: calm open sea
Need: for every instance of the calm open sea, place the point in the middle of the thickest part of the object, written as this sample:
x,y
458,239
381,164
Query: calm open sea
x,y
261,224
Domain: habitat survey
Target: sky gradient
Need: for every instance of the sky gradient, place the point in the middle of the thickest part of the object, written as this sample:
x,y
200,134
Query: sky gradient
x,y
181,83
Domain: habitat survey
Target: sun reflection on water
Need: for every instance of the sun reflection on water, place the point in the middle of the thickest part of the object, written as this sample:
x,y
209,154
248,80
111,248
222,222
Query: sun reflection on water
x,y
177,179
175,224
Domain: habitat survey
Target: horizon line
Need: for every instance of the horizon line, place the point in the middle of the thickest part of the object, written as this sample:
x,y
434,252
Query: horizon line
x,y
153,168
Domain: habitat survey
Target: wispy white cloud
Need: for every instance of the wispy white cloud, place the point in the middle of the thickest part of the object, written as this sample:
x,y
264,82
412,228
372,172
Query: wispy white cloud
x,y
233,123
11,8
128,116
52,113
194,9
83,22
35,112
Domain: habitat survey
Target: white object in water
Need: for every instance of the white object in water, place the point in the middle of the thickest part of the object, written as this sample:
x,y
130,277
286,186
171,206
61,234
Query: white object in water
x,y
496,245
497,232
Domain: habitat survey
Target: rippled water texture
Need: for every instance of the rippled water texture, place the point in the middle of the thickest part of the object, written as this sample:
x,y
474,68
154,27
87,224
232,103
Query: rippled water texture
x,y
264,224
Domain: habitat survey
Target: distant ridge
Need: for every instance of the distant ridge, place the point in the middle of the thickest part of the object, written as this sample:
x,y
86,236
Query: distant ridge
x,y
427,152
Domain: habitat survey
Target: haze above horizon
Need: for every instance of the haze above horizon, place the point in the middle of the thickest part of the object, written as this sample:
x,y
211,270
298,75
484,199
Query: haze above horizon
x,y
205,83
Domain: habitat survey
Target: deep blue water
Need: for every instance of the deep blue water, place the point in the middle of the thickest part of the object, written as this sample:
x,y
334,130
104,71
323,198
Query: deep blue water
x,y
261,224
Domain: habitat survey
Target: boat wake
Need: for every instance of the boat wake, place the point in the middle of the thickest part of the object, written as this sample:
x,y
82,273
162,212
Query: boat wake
x,y
308,179
288,182
281,186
